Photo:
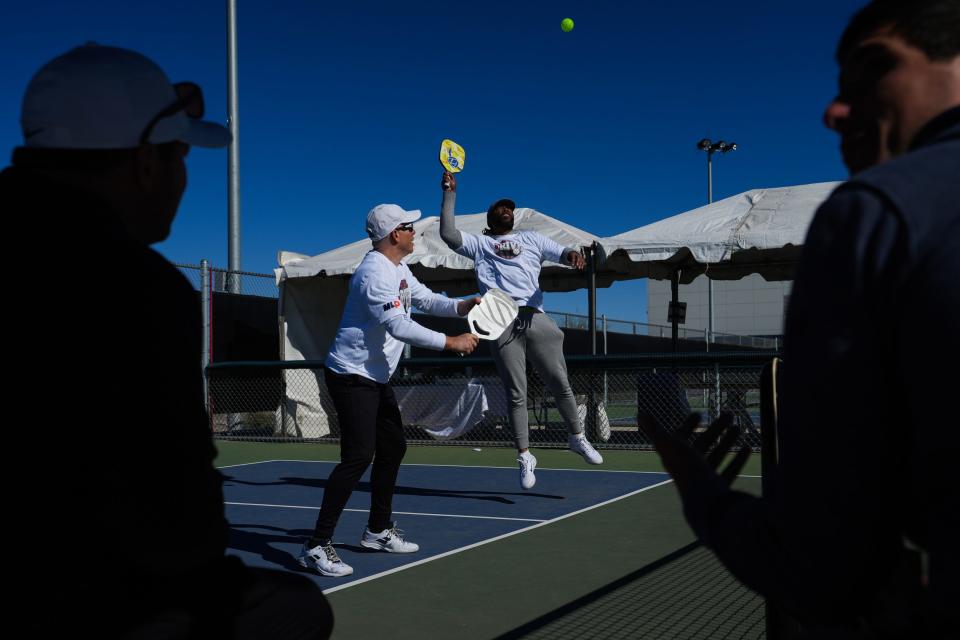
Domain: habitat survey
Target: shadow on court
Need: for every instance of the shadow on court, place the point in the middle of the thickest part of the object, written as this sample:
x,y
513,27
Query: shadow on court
x,y
686,594
243,539
401,490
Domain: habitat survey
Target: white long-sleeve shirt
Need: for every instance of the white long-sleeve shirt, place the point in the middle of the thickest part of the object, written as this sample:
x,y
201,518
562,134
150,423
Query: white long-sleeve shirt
x,y
376,320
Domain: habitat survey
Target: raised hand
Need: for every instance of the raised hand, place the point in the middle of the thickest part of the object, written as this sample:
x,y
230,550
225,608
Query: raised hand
x,y
449,182
684,460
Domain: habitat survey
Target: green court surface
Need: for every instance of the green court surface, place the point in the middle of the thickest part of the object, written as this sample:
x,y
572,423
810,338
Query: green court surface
x,y
628,569
236,452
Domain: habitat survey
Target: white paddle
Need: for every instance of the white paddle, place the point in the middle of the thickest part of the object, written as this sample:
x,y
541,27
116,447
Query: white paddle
x,y
489,319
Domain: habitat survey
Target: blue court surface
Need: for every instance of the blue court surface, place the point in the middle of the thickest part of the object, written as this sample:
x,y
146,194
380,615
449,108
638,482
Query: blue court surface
x,y
272,507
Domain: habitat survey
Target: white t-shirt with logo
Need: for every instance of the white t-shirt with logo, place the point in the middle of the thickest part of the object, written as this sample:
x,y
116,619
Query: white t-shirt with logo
x,y
512,262
380,292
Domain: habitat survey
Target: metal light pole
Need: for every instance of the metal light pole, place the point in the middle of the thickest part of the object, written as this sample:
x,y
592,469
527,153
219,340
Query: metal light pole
x,y
233,155
711,147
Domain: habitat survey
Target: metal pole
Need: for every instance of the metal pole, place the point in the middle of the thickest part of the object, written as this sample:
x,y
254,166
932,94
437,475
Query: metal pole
x,y
709,177
233,154
604,317
709,279
675,297
592,301
592,422
205,344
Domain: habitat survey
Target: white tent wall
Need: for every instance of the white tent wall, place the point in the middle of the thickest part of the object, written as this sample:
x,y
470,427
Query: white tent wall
x,y
310,310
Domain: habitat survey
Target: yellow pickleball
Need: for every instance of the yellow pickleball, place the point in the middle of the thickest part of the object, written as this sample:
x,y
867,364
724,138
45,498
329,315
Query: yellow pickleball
x,y
566,24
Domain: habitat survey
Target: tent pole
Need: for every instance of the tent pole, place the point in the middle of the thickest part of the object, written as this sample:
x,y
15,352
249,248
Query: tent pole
x,y
591,419
675,298
592,300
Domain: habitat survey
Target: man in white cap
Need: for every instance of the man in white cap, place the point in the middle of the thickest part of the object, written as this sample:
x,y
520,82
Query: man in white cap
x,y
127,537
375,325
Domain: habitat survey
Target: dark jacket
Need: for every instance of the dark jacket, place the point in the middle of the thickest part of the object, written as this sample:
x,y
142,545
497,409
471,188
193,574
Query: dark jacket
x,y
868,438
120,498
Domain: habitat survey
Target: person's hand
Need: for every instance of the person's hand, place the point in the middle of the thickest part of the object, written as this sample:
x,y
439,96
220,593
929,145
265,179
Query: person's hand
x,y
685,460
464,306
464,344
449,182
576,260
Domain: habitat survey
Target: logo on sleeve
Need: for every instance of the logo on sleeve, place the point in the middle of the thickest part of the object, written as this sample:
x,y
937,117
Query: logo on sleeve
x,y
391,305
507,249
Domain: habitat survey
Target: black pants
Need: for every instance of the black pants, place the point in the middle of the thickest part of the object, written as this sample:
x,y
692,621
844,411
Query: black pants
x,y
371,430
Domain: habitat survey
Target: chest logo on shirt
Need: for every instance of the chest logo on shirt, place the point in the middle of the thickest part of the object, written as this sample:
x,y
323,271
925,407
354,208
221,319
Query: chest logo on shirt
x,y
507,249
404,294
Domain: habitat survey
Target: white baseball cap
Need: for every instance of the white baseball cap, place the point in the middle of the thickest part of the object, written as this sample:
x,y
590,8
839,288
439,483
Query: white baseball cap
x,y
98,97
384,218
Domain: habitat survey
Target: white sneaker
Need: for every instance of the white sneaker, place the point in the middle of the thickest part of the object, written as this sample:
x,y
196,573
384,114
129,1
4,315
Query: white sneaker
x,y
389,540
579,444
325,560
527,464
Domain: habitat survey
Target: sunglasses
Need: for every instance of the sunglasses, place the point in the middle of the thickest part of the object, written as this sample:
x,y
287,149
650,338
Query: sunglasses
x,y
405,227
189,100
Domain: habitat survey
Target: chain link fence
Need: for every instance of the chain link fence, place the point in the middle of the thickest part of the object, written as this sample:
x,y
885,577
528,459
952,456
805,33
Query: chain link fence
x,y
264,285
246,283
461,401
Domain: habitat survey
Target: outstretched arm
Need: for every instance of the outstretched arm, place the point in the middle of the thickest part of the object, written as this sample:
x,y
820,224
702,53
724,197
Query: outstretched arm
x,y
405,329
448,225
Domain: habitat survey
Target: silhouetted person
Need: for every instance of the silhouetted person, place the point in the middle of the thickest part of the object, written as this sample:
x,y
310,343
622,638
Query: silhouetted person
x,y
858,536
123,521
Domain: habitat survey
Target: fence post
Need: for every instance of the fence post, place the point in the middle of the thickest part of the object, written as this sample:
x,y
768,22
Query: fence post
x,y
716,373
206,298
604,316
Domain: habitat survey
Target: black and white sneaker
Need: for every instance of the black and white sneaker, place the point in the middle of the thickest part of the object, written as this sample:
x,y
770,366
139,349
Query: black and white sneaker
x,y
324,559
390,540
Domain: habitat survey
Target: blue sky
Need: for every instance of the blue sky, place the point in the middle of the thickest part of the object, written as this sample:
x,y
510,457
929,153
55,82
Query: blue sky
x,y
343,106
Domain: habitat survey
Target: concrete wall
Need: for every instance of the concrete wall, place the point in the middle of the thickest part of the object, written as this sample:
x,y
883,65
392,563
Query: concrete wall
x,y
751,306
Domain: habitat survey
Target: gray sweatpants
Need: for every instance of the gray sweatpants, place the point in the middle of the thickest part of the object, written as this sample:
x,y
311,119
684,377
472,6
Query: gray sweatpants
x,y
535,335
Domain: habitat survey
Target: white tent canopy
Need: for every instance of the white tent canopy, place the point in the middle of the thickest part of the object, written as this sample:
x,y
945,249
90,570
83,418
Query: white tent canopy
x,y
758,231
435,265
313,291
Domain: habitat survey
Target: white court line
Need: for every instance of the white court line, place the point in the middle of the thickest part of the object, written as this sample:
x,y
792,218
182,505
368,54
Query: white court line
x,y
467,466
488,541
402,513
247,464
459,466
